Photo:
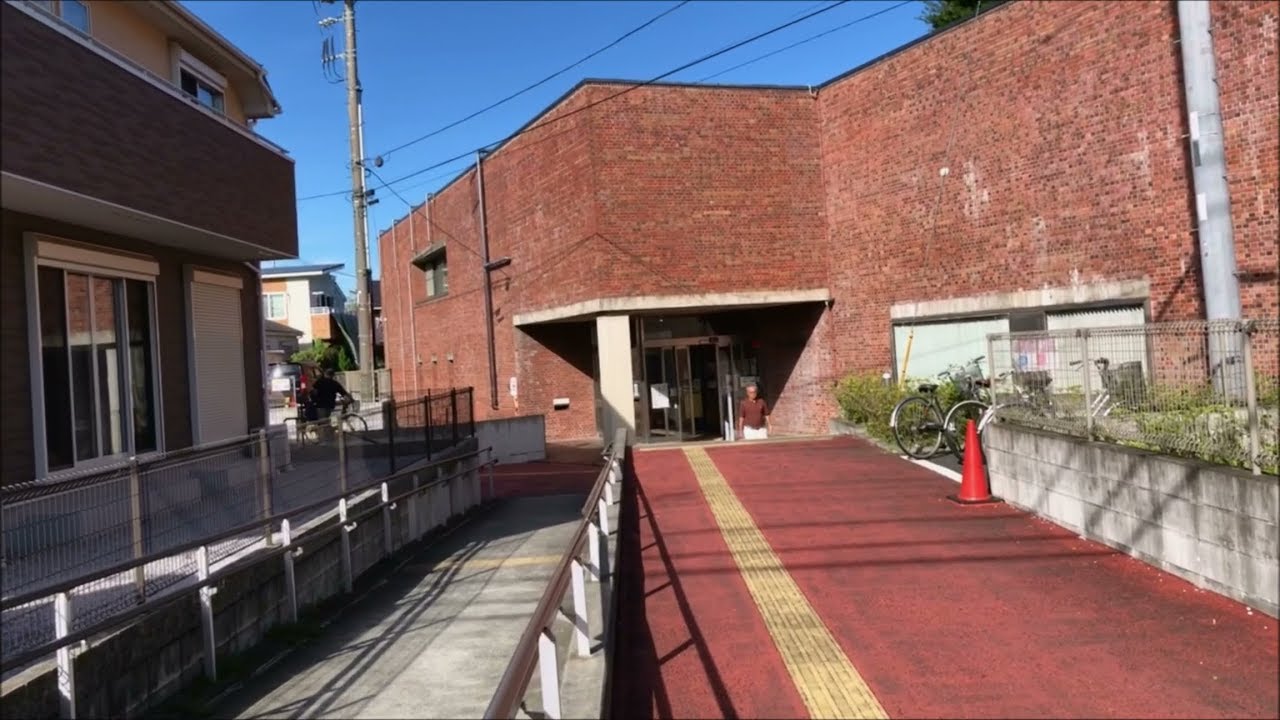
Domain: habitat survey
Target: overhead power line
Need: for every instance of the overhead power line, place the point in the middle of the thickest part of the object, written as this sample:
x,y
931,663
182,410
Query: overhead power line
x,y
620,93
539,83
811,38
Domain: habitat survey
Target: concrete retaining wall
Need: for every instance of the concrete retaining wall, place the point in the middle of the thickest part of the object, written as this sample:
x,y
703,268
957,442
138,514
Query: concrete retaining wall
x,y
139,666
514,440
1215,526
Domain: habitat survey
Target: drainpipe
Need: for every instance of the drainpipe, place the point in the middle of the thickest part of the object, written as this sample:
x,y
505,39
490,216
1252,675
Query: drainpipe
x,y
1209,177
413,325
488,286
262,347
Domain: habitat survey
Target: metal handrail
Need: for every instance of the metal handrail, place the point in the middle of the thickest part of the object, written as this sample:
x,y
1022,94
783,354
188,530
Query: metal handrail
x,y
214,577
515,680
66,585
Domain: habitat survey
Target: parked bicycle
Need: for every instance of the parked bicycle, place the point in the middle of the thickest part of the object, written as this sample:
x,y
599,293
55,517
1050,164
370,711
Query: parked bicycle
x,y
920,424
1031,398
1122,386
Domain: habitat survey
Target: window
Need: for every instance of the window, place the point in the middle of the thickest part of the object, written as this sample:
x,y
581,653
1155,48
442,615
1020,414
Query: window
x,y
204,92
97,359
437,271
321,304
73,12
274,306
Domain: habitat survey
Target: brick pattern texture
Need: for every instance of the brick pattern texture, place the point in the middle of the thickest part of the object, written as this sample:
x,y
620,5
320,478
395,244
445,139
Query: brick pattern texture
x,y
156,153
1062,129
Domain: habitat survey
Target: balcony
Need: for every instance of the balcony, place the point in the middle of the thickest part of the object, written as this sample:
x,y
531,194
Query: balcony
x,y
91,139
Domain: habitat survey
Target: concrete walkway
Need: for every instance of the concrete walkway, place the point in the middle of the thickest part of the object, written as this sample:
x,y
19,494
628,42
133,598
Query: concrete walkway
x,y
434,638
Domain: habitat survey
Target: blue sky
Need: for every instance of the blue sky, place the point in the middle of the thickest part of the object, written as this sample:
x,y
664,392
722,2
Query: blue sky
x,y
426,64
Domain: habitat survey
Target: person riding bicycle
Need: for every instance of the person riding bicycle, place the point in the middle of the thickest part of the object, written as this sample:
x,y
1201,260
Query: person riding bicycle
x,y
325,393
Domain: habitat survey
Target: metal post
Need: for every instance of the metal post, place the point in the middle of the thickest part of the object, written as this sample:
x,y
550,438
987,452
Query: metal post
x,y
387,507
549,673
1251,396
290,580
389,422
581,621
602,538
426,423
1088,382
593,547
426,401
347,583
135,512
206,613
359,200
413,509
991,370
264,480
453,413
342,459
66,670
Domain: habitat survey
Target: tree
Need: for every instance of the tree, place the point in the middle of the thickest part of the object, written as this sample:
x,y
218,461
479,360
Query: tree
x,y
321,353
941,14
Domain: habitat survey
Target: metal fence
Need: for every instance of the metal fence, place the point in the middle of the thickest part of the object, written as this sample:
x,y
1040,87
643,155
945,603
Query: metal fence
x,y
1202,389
56,532
381,384
565,601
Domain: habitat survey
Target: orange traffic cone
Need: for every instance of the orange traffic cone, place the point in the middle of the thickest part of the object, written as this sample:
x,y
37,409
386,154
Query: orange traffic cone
x,y
974,489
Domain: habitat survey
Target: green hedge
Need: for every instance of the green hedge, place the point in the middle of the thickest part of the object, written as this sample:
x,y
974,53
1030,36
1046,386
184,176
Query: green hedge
x,y
867,400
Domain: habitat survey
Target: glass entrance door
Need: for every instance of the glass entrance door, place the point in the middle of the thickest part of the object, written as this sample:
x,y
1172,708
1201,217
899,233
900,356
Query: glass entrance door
x,y
686,400
727,382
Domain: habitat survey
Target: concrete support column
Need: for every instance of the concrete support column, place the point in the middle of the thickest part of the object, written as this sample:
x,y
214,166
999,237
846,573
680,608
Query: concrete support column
x,y
613,343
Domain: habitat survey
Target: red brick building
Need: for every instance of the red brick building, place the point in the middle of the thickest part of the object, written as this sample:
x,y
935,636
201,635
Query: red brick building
x,y
646,248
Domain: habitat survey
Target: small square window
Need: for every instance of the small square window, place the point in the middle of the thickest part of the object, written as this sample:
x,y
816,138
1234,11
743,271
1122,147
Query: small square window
x,y
75,13
203,92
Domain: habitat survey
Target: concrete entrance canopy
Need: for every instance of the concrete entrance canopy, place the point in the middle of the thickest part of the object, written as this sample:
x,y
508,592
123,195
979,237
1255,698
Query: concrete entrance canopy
x,y
646,304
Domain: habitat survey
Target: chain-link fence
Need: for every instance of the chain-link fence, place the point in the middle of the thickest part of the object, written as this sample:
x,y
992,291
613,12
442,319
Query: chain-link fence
x,y
91,522
1202,389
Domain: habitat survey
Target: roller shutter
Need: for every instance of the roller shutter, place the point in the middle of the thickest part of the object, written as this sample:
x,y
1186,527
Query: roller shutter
x,y
218,385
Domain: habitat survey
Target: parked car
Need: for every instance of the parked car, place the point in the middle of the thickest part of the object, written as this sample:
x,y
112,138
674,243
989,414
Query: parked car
x,y
290,382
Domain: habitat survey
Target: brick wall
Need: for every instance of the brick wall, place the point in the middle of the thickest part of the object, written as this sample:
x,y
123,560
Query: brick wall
x,y
1062,128
1245,44
154,152
1067,165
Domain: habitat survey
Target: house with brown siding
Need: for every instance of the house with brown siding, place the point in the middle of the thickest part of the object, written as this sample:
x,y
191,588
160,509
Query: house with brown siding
x,y
138,203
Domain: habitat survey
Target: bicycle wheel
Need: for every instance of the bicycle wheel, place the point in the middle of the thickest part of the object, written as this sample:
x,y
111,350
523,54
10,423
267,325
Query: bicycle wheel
x,y
917,427
957,422
351,422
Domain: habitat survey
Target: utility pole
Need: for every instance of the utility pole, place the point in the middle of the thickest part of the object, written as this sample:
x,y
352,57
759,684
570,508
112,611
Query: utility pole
x,y
359,200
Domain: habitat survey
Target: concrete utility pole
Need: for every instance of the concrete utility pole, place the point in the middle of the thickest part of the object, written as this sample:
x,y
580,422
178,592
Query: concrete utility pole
x,y
359,200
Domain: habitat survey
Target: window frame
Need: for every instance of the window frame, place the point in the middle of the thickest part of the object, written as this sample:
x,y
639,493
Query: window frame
x,y
54,8
214,81
284,300
44,251
436,267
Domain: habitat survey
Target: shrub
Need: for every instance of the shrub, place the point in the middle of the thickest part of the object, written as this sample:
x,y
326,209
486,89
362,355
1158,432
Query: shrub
x,y
867,400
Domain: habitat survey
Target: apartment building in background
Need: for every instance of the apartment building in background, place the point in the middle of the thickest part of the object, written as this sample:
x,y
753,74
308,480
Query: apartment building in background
x,y
308,299
633,259
138,203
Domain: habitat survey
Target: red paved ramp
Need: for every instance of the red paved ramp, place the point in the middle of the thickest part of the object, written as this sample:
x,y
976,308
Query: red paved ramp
x,y
945,611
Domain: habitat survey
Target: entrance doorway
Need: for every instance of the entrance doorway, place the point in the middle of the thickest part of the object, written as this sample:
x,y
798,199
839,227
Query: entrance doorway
x,y
693,388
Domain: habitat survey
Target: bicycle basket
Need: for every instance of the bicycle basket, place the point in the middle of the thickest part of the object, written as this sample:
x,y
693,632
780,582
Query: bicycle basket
x,y
1032,379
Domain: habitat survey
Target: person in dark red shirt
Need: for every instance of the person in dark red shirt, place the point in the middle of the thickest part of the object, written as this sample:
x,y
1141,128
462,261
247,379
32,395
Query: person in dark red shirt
x,y
753,416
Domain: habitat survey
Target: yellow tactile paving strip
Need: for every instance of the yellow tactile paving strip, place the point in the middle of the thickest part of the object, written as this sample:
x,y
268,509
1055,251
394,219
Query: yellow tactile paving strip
x,y
824,676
